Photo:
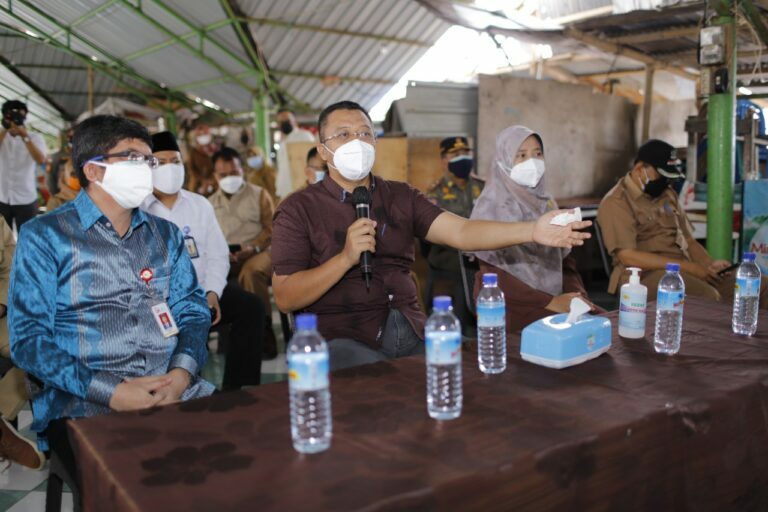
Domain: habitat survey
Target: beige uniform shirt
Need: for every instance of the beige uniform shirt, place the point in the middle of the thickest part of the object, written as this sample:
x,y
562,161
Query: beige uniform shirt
x,y
631,219
246,217
7,248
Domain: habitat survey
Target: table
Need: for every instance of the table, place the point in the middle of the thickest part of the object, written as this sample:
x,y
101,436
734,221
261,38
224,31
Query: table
x,y
631,430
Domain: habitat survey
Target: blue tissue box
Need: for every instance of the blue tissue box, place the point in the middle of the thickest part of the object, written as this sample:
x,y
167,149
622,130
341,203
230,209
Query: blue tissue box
x,y
555,343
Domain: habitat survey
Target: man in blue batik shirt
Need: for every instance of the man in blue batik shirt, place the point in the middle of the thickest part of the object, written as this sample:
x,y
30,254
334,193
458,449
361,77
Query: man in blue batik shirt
x,y
93,286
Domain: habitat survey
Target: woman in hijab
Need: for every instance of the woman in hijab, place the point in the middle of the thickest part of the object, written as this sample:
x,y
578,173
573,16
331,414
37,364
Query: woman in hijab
x,y
537,281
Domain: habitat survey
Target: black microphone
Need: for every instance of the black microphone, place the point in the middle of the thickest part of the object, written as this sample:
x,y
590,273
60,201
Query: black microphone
x,y
361,198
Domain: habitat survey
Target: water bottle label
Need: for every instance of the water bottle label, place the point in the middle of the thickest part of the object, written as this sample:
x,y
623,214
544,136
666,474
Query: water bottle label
x,y
670,301
308,372
491,315
443,348
747,287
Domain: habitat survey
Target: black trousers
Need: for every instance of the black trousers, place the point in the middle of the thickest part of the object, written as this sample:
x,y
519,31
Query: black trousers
x,y
21,212
246,315
58,442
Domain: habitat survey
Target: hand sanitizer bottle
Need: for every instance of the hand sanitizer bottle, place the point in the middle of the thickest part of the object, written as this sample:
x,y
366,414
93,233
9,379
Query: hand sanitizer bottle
x,y
634,298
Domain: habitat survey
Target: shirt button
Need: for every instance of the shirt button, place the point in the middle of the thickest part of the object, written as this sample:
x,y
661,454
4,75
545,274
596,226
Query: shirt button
x,y
109,224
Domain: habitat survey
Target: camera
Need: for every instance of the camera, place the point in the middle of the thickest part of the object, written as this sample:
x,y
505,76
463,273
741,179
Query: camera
x,y
16,117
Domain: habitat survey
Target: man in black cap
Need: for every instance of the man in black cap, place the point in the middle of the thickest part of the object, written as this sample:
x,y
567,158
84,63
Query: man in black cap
x,y
456,191
643,226
207,247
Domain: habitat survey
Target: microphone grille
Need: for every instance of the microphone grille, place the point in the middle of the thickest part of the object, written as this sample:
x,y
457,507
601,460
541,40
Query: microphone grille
x,y
361,196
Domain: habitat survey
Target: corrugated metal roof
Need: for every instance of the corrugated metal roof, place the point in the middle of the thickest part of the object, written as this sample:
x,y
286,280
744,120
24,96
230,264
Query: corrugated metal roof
x,y
360,62
62,76
41,116
365,47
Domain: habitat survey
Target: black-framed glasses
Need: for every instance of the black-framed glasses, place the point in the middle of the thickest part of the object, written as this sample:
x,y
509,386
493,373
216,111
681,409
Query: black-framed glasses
x,y
347,135
130,156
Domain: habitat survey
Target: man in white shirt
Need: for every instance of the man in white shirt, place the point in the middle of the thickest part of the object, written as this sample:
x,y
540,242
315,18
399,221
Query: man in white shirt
x,y
20,153
208,249
286,120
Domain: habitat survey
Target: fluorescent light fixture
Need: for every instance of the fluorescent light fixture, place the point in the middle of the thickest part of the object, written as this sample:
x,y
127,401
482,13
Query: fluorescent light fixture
x,y
745,91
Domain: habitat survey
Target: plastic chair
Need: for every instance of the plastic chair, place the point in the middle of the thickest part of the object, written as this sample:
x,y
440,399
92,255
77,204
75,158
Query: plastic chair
x,y
468,267
604,256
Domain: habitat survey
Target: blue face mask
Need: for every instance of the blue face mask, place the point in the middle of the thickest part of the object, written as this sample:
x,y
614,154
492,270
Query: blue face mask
x,y
255,161
319,176
461,166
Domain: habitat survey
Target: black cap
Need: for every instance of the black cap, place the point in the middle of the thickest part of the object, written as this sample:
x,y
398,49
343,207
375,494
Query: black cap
x,y
452,144
662,156
164,141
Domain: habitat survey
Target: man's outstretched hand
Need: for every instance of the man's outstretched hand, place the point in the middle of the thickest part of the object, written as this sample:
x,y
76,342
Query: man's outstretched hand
x,y
568,236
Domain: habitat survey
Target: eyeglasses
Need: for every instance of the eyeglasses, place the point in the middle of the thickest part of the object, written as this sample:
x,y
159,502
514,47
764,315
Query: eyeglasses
x,y
130,156
345,136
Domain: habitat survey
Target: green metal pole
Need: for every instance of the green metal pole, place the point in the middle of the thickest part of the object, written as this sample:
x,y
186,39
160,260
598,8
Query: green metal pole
x,y
721,142
261,124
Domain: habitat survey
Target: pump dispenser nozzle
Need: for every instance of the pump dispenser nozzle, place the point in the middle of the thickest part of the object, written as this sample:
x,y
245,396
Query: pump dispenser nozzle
x,y
635,277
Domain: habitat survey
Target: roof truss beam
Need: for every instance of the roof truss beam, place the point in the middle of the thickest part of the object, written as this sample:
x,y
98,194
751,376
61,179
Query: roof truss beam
x,y
617,49
655,35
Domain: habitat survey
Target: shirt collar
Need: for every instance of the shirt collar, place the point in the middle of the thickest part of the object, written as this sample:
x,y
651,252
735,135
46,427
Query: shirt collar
x,y
336,191
89,213
152,199
633,189
635,192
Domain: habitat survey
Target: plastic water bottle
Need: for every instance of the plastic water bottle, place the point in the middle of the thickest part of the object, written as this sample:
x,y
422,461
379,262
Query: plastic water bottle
x,y
491,327
669,311
443,336
311,423
746,296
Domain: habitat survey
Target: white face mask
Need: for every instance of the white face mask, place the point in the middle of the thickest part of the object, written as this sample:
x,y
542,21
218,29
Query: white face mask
x,y
231,184
168,178
129,183
354,159
204,139
319,175
528,173
255,161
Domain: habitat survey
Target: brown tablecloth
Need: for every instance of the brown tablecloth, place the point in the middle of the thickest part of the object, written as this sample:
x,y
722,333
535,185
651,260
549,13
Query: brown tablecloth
x,y
631,430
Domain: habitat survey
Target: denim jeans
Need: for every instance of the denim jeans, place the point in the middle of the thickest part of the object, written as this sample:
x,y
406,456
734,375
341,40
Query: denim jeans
x,y
398,339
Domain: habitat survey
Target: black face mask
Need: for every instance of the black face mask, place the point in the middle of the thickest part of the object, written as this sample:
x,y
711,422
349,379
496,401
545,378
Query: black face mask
x,y
655,188
461,167
286,127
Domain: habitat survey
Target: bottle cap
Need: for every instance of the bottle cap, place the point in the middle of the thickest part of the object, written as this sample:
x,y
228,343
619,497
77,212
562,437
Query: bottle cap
x,y
490,279
306,322
635,277
673,267
749,256
441,303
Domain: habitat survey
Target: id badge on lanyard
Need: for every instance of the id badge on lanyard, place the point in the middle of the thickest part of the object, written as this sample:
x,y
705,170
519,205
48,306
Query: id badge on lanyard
x,y
160,309
190,244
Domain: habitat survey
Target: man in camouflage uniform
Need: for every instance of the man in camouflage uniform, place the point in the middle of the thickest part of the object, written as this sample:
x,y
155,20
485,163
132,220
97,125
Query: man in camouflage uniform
x,y
456,191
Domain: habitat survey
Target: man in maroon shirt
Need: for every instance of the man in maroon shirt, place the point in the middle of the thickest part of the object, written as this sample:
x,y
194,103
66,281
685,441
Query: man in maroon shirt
x,y
317,243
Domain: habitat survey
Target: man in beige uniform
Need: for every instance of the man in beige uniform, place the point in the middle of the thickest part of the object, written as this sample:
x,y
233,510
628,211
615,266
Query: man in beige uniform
x,y
244,212
13,390
643,226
